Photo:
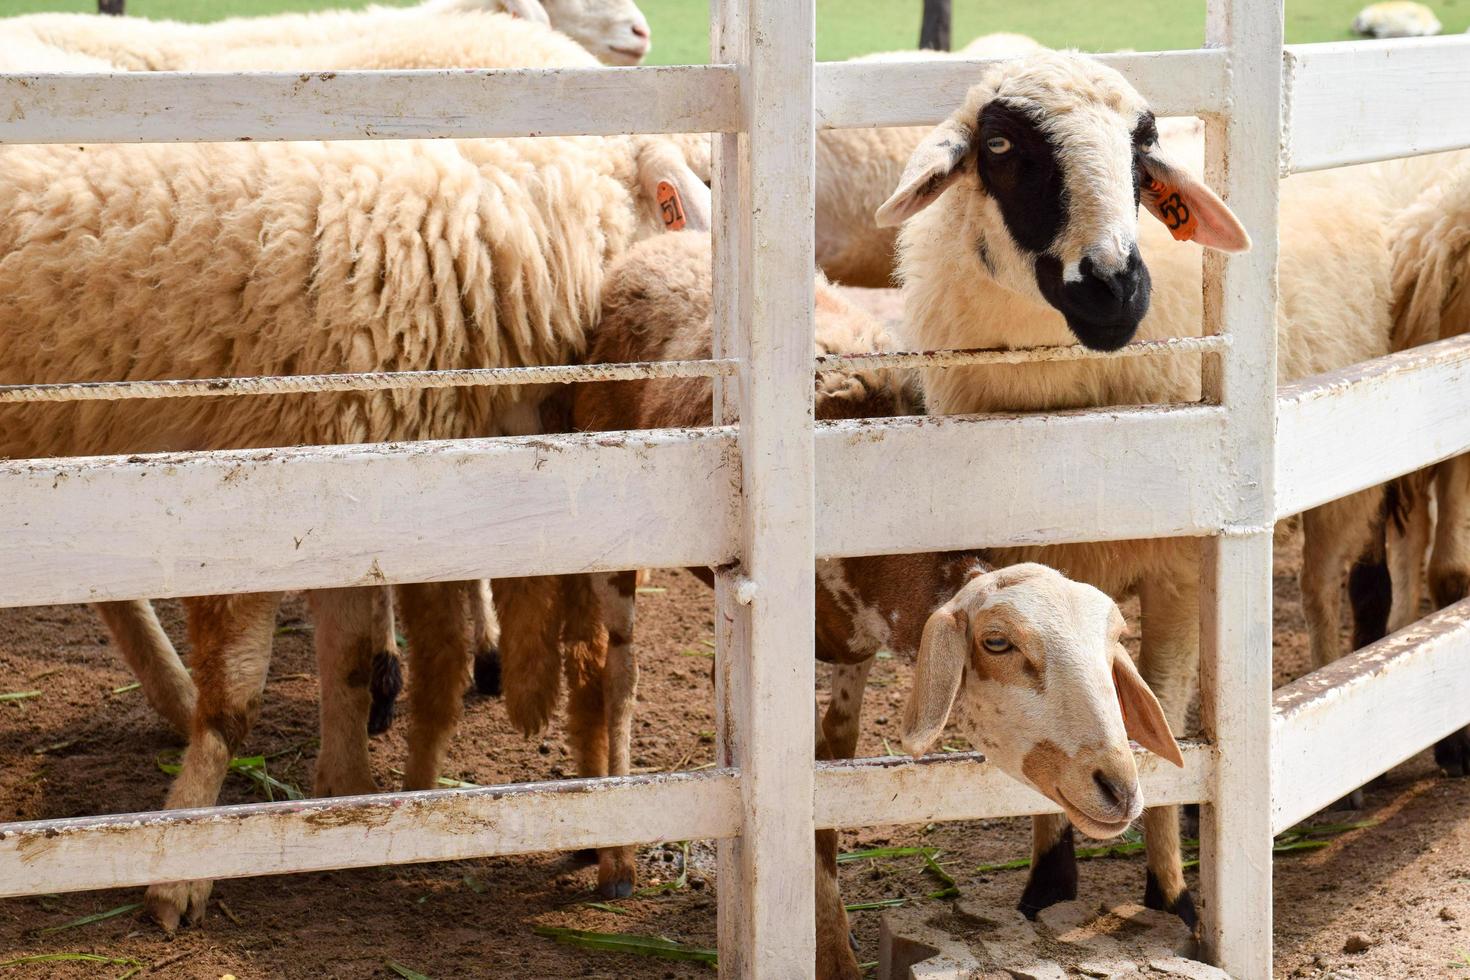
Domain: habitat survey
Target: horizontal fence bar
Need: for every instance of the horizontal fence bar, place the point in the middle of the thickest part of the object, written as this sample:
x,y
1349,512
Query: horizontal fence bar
x,y
1340,726
925,484
921,93
369,381
1341,432
1359,101
82,853
79,530
962,786
1018,355
193,107
121,850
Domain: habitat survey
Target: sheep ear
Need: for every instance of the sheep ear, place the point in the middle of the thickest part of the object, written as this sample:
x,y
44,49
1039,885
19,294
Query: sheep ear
x,y
1143,719
527,10
680,197
1189,209
935,164
937,675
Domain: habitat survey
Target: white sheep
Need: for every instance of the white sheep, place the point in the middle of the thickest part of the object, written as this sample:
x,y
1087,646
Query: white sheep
x,y
204,260
1396,18
615,31
972,631
1029,236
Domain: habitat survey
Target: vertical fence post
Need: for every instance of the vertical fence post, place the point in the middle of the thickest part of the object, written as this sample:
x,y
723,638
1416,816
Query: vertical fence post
x,y
765,198
934,30
1242,162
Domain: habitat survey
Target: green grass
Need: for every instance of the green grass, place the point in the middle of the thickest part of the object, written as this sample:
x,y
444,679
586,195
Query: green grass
x,y
851,27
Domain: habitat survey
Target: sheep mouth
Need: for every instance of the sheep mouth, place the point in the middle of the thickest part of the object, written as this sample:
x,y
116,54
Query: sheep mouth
x,y
632,55
1098,828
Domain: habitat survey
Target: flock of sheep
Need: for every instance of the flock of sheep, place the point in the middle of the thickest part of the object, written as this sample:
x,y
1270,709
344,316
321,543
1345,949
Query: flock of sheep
x,y
1015,223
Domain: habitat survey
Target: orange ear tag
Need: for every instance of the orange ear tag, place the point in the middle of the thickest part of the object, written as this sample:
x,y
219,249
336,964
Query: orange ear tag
x,y
670,207
1173,210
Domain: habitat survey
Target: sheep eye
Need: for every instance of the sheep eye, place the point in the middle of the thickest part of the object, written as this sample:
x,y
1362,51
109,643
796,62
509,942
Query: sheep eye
x,y
997,644
998,144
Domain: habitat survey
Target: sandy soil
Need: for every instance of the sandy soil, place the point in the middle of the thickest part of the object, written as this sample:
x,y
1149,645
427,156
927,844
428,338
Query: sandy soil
x,y
83,747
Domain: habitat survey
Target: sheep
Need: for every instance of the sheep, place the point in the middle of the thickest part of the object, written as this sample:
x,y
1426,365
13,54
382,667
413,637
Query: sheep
x,y
1430,246
166,261
858,168
929,608
1396,18
615,31
1022,230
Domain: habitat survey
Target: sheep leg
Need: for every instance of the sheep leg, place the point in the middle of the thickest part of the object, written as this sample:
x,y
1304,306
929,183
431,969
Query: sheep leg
x,y
1053,876
438,656
616,597
346,637
231,636
836,947
485,638
1169,605
1406,547
1449,578
150,655
844,712
387,671
1332,535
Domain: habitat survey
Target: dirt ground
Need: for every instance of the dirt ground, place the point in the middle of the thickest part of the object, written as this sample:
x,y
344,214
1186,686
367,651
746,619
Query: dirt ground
x,y
87,745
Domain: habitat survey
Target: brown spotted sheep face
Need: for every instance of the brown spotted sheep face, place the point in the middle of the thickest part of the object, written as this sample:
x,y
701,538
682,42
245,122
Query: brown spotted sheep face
x,y
1049,159
1031,666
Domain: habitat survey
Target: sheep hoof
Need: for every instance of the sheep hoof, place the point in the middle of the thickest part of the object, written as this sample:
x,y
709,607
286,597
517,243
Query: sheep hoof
x,y
1452,754
1181,905
487,672
616,872
1053,878
177,902
385,686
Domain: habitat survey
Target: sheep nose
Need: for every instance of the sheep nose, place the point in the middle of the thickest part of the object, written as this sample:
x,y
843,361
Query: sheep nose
x,y
1121,283
640,30
1115,794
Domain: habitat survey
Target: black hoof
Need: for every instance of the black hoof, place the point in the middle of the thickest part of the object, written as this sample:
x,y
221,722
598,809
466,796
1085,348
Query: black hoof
x,y
1452,753
616,889
487,672
1182,905
1053,878
385,686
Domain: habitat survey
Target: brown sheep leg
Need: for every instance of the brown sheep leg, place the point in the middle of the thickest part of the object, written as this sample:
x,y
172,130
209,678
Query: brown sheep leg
x,y
485,638
844,711
615,595
345,649
836,959
529,611
231,636
1169,604
1449,578
150,655
387,670
438,672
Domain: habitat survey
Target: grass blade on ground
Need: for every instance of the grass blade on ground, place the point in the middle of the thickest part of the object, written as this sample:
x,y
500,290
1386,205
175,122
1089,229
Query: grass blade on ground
x,y
873,853
88,920
403,971
875,905
19,695
617,942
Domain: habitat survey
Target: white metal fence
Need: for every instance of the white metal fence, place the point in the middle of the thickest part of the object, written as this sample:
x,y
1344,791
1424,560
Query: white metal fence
x,y
110,528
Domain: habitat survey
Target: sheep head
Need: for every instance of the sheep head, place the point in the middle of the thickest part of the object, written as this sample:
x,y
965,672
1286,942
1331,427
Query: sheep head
x,y
1030,664
1052,155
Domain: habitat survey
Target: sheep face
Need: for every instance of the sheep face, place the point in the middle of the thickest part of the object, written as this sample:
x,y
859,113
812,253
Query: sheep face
x,y
1030,664
614,31
1053,154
